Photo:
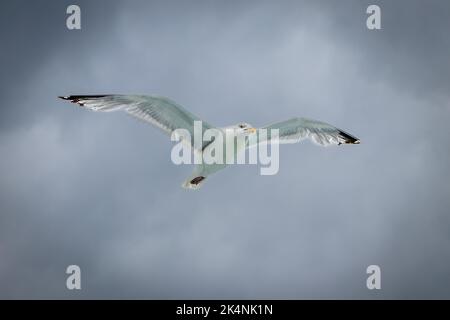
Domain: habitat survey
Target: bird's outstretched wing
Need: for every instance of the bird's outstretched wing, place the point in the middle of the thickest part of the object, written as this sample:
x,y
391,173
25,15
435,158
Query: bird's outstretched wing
x,y
296,129
159,111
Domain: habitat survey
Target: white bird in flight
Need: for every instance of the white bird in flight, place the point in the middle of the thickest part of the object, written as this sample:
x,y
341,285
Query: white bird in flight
x,y
170,116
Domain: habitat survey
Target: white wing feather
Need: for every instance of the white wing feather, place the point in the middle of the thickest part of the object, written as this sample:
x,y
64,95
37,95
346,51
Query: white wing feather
x,y
161,112
297,129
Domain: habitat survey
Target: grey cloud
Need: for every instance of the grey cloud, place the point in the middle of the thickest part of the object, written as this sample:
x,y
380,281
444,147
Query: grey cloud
x,y
99,190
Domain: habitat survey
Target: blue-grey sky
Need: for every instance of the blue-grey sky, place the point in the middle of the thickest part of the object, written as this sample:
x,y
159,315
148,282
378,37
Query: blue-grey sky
x,y
100,191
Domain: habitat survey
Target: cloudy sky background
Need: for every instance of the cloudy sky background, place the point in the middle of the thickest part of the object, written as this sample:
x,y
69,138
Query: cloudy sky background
x,y
99,190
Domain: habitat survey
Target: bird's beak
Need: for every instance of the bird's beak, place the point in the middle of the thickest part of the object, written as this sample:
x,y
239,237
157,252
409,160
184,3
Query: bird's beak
x,y
251,130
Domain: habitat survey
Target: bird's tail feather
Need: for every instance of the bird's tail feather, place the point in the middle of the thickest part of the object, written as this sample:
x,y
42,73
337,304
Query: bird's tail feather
x,y
195,181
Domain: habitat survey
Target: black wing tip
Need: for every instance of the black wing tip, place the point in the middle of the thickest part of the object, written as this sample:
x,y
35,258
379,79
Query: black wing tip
x,y
78,98
349,139
83,97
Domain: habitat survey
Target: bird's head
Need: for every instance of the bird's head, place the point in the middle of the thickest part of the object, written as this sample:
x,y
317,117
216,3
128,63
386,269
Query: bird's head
x,y
243,128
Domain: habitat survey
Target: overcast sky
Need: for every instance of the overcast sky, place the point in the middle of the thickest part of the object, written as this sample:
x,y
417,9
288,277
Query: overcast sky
x,y
100,191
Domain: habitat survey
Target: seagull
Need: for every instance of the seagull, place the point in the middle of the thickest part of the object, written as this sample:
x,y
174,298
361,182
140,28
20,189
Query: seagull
x,y
169,116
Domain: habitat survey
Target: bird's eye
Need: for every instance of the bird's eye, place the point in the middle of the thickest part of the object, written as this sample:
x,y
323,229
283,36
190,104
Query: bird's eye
x,y
242,126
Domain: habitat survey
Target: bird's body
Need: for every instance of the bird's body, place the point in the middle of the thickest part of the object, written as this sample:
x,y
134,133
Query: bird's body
x,y
169,116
